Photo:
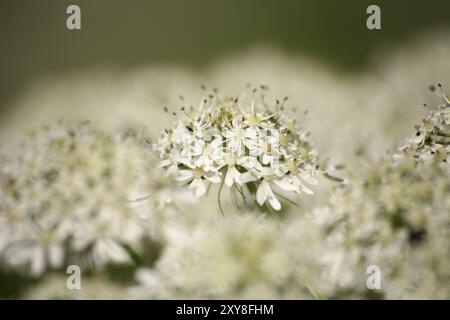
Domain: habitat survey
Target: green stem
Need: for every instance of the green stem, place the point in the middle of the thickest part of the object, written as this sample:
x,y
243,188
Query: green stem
x,y
224,172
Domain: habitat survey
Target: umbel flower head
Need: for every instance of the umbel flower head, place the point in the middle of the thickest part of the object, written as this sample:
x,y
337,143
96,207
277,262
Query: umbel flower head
x,y
396,217
432,138
66,195
244,143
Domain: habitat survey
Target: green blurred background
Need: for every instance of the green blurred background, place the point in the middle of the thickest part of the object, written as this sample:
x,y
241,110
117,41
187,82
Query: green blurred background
x,y
35,41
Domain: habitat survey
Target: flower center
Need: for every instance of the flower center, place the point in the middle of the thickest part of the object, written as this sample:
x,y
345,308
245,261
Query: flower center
x,y
197,172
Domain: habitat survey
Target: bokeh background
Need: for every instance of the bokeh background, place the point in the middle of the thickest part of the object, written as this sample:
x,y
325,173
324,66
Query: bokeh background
x,y
130,60
35,42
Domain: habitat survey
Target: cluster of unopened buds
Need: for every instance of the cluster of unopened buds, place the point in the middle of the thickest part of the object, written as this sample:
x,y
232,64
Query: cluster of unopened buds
x,y
243,143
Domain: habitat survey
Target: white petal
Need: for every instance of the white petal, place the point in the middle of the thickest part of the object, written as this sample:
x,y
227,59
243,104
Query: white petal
x,y
247,177
164,163
109,250
284,184
274,201
266,159
217,142
214,179
301,186
257,165
263,192
227,133
247,162
172,170
235,173
198,187
183,175
229,178
305,189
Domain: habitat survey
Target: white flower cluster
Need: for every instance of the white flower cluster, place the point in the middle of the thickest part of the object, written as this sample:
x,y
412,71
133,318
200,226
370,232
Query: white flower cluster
x,y
244,256
432,138
252,147
68,193
396,217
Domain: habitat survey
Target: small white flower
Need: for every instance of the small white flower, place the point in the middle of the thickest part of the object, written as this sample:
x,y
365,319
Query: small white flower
x,y
39,248
196,177
264,192
232,176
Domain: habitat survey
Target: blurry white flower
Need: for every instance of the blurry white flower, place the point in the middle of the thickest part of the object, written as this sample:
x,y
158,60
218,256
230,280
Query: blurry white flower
x,y
70,192
40,246
92,288
390,216
244,256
